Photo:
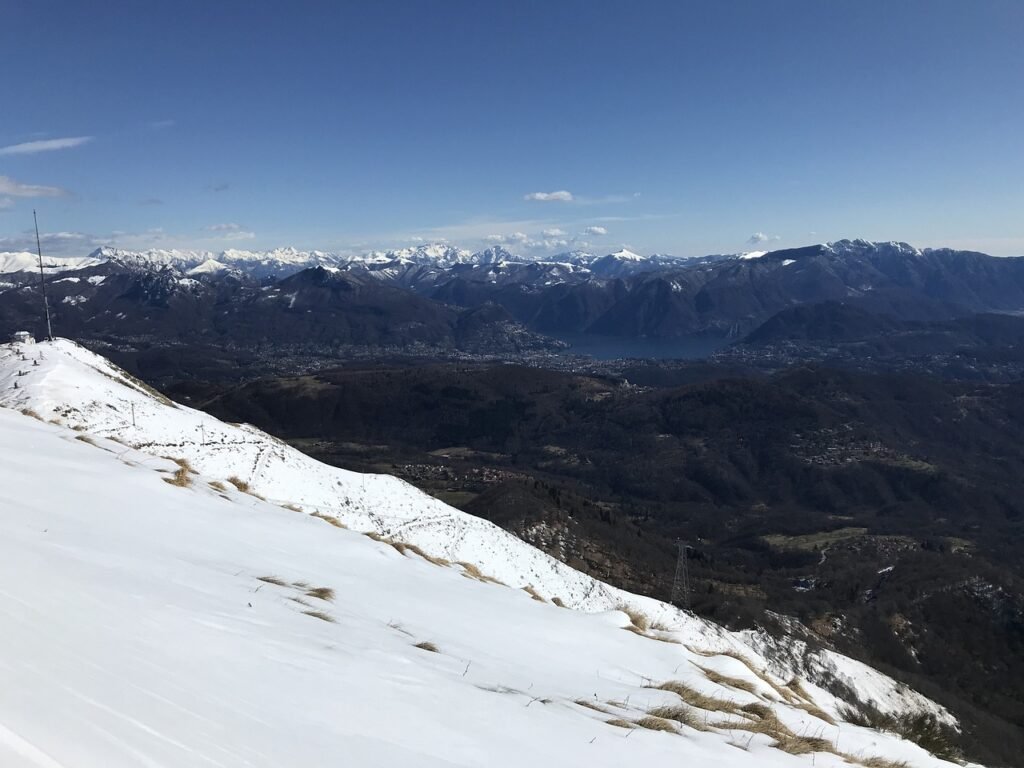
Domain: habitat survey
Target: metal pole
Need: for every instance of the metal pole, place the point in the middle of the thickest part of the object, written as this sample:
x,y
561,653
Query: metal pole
x,y
42,279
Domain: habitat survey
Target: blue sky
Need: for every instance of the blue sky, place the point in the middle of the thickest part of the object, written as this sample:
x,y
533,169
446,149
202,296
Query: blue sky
x,y
679,127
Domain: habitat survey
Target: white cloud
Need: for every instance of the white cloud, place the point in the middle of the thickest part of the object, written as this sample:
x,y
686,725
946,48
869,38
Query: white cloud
x,y
46,145
227,227
512,238
6,202
760,237
561,196
241,235
12,188
554,232
595,231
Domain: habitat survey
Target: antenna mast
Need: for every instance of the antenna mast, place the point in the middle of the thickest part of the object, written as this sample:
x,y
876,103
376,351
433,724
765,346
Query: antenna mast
x,y
681,583
42,279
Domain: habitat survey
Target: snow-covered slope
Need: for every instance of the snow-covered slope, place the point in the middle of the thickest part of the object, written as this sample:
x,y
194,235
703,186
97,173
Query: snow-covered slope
x,y
21,261
138,631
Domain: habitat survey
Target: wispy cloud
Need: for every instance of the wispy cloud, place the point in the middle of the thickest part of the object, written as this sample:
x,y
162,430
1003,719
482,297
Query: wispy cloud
x,y
554,232
52,242
759,238
10,187
558,196
5,203
595,230
230,231
159,125
512,238
46,145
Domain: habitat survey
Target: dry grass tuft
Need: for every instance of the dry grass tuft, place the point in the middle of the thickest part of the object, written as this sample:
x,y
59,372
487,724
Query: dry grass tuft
x,y
636,618
784,738
320,615
557,601
217,485
239,483
683,715
327,518
620,723
273,580
404,548
86,439
470,571
797,687
32,413
697,699
290,508
881,762
758,709
528,589
801,745
591,705
731,682
427,646
656,724
321,593
301,601
181,479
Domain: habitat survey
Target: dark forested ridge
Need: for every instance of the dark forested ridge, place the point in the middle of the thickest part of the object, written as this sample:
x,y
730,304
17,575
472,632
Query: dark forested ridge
x,y
885,511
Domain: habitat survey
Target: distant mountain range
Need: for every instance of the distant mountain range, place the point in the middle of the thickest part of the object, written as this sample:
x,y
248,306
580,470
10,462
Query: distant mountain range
x,y
431,293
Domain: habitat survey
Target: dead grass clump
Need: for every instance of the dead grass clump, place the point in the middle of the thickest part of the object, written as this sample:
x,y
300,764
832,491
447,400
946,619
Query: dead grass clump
x,y
797,687
272,580
636,618
591,705
182,476
762,711
182,464
321,593
528,589
86,439
300,601
656,724
427,646
320,615
217,485
404,548
327,518
30,412
731,682
682,715
239,483
470,571
557,601
697,699
881,762
620,723
290,507
789,742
